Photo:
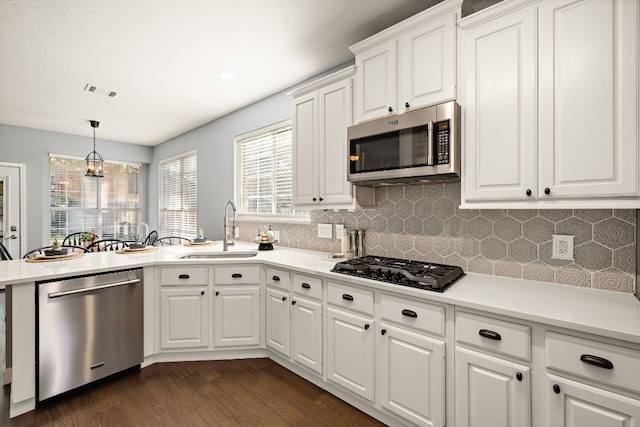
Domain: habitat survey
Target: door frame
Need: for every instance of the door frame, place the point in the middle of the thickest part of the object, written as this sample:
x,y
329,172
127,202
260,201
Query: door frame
x,y
23,211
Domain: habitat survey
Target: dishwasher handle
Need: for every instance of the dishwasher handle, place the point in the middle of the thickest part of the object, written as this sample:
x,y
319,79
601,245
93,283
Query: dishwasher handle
x,y
93,288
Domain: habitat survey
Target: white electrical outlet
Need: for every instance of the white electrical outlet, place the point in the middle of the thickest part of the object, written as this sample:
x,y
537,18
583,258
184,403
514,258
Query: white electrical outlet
x,y
324,231
276,235
562,247
236,233
339,231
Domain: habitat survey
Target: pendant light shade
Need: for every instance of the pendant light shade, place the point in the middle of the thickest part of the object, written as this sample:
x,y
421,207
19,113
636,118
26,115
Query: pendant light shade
x,y
95,162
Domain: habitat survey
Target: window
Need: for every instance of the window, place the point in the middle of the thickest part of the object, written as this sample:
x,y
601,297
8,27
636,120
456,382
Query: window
x,y
179,196
264,174
109,206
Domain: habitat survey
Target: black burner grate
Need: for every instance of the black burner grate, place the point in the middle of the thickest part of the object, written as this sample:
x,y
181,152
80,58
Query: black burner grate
x,y
416,274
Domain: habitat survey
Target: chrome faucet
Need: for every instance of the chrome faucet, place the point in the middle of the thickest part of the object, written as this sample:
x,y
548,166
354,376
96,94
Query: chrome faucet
x,y
227,239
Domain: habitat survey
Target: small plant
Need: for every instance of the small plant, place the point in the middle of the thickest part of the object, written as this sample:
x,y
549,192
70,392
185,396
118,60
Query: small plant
x,y
136,238
86,237
55,245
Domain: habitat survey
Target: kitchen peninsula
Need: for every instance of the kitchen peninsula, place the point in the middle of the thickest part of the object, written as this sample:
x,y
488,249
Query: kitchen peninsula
x,y
538,323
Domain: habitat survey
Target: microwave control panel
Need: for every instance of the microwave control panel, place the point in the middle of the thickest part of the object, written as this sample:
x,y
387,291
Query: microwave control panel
x,y
441,136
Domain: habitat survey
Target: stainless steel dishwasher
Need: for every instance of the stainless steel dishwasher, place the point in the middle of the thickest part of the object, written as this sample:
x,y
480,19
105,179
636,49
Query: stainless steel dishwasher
x,y
89,327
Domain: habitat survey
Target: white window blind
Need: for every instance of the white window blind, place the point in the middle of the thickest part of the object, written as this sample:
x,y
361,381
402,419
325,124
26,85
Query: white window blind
x,y
108,206
179,196
264,173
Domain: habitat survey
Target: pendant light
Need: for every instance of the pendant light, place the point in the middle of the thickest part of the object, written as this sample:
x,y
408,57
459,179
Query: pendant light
x,y
95,163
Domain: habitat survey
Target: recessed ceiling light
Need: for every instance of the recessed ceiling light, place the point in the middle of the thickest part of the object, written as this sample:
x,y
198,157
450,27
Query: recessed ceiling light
x,y
226,75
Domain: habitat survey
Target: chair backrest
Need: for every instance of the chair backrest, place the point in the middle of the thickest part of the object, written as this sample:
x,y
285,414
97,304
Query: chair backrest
x,y
73,239
4,253
107,245
171,240
151,238
40,251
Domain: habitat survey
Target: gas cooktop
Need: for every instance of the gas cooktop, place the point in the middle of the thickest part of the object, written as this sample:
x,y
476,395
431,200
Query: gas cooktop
x,y
416,274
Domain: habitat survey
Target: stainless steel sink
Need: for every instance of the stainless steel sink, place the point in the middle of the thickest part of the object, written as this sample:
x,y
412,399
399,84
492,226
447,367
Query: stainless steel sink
x,y
218,255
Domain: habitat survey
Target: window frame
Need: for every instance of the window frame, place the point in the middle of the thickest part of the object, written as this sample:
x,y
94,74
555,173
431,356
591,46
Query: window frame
x,y
100,201
180,156
303,216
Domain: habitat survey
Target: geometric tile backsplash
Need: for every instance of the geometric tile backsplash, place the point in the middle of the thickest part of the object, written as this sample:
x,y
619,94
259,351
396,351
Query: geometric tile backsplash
x,y
423,222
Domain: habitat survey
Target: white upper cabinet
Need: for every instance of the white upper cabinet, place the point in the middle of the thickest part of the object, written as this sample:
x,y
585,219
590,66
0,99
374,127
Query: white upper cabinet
x,y
409,65
322,111
550,92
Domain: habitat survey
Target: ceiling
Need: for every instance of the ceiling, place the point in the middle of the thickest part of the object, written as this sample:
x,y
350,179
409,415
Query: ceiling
x,y
162,58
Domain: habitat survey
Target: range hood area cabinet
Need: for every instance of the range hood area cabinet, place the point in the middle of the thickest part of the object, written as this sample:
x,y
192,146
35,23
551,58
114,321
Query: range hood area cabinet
x,y
322,111
550,92
409,65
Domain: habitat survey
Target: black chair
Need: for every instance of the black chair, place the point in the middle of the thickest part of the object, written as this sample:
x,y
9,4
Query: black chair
x,y
171,241
152,238
40,251
4,253
103,245
73,239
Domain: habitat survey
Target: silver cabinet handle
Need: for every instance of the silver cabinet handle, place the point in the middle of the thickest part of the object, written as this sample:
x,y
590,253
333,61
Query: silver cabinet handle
x,y
93,288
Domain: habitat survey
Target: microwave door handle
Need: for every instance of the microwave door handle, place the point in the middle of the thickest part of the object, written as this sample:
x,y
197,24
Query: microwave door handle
x,y
430,144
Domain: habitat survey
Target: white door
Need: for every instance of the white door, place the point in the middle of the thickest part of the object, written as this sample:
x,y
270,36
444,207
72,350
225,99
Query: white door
x,y
335,117
236,317
588,98
184,318
416,394
572,404
500,86
12,208
278,321
490,391
307,334
350,352
377,81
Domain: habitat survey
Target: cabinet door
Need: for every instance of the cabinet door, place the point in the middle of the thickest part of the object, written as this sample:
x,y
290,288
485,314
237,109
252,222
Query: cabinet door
x,y
500,87
376,81
416,394
588,98
335,105
184,318
307,334
491,391
350,346
305,140
236,317
278,321
573,404
427,64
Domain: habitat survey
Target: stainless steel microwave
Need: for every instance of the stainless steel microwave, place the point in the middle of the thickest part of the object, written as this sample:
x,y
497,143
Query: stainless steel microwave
x,y
420,145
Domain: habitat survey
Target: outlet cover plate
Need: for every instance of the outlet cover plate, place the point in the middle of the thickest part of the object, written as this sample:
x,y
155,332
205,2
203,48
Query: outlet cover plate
x,y
562,247
324,231
339,231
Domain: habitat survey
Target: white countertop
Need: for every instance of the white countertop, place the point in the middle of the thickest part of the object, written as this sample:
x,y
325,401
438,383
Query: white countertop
x,y
612,314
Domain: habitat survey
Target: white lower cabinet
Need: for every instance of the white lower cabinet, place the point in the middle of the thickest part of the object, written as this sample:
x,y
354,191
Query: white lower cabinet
x,y
236,316
573,404
307,333
185,317
491,391
412,376
278,321
350,352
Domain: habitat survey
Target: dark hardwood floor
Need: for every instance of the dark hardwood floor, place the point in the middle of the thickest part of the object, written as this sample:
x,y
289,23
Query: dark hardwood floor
x,y
252,392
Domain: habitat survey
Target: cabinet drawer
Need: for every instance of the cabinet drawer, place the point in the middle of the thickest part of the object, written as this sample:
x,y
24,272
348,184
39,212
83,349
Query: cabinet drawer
x,y
427,317
605,363
184,276
350,297
278,278
237,275
307,286
497,336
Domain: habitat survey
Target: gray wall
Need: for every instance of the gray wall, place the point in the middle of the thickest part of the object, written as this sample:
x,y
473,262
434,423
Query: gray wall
x,y
32,147
214,144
